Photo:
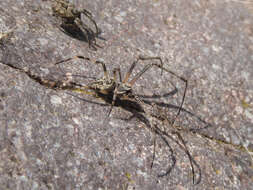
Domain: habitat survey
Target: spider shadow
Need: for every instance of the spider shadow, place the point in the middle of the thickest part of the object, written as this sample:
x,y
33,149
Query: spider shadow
x,y
75,32
164,135
138,112
183,110
171,106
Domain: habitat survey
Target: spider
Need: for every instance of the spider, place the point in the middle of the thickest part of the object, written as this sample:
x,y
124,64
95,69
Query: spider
x,y
106,86
72,23
109,86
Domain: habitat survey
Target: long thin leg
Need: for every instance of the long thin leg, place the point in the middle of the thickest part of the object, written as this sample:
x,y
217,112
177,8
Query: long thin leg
x,y
115,92
155,131
91,35
152,58
89,15
191,159
146,67
183,98
161,67
104,69
71,58
115,74
154,144
129,72
85,58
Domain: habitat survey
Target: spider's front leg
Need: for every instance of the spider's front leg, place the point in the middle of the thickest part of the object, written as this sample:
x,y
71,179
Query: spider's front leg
x,y
104,69
87,59
147,67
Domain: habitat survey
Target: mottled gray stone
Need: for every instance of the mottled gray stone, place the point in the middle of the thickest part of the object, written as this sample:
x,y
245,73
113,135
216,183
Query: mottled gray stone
x,y
54,139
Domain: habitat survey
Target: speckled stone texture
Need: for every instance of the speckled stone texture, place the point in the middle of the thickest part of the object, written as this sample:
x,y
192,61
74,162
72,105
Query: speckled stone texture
x,y
56,139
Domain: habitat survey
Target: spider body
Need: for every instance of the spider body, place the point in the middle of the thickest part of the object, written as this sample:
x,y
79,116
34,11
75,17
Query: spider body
x,y
110,86
105,88
72,23
66,11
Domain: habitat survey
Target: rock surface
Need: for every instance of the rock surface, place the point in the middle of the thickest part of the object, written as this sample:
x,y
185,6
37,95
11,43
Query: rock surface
x,y
54,139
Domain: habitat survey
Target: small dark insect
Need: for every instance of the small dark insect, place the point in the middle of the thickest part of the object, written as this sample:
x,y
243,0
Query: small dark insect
x,y
122,89
72,23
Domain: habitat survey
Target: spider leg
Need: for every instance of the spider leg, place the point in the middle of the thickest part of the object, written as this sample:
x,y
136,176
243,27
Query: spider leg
x,y
154,131
115,72
147,67
85,58
152,58
185,89
144,69
129,72
104,69
71,58
154,144
115,93
89,15
191,159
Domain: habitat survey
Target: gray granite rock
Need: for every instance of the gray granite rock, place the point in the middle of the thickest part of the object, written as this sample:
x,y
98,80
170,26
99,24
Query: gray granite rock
x,y
58,139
